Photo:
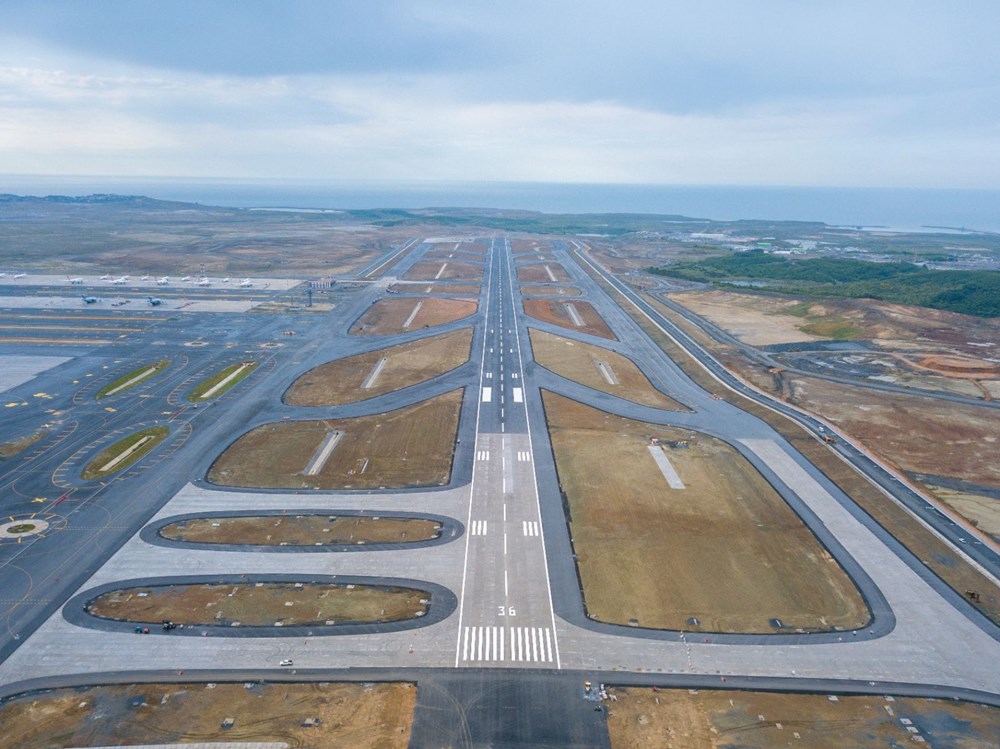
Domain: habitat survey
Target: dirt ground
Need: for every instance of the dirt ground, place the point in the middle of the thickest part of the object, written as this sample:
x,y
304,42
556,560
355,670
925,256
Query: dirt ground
x,y
409,447
983,512
435,288
340,381
725,554
453,270
261,604
355,716
302,530
920,435
388,316
762,320
534,290
550,311
538,274
644,718
579,362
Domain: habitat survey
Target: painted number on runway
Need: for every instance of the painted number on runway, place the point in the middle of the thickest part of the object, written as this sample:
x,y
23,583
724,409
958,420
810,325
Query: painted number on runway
x,y
478,527
524,644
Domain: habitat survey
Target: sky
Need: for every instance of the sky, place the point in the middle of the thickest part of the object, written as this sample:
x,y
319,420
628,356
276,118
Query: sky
x,y
879,93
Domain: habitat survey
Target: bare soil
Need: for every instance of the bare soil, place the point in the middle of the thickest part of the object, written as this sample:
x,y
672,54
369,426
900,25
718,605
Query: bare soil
x,y
409,447
643,718
359,716
301,530
758,321
580,362
388,316
340,381
537,290
725,554
454,270
550,311
538,274
983,512
920,435
261,604
522,246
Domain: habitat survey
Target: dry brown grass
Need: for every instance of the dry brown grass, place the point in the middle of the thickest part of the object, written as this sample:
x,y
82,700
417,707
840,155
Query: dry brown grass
x,y
388,316
409,447
539,274
15,447
522,246
537,290
359,716
261,604
579,362
435,288
557,313
447,269
939,556
726,550
301,530
644,718
340,381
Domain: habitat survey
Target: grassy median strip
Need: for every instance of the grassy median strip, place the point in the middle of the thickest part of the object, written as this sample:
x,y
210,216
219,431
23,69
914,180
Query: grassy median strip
x,y
133,378
15,447
261,604
125,452
302,530
222,381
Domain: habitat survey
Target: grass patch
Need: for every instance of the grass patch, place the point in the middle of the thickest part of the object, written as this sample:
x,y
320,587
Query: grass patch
x,y
241,370
837,329
136,377
15,447
99,468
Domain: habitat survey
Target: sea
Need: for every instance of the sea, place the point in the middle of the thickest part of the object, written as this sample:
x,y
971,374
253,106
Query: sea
x,y
909,209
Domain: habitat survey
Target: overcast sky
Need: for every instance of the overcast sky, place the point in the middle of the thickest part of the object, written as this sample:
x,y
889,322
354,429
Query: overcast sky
x,y
771,92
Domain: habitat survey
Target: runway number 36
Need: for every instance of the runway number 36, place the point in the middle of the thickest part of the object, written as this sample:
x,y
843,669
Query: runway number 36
x,y
504,611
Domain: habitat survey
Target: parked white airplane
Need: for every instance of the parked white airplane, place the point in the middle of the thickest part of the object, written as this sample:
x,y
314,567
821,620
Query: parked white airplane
x,y
186,278
163,281
74,281
20,275
204,282
144,278
227,279
106,277
120,281
246,283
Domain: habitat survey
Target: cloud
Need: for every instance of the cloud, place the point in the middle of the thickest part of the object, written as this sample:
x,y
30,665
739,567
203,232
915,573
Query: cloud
x,y
776,92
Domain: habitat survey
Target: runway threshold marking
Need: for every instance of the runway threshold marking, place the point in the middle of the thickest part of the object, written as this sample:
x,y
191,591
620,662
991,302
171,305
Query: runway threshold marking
x,y
518,394
487,394
530,528
514,644
478,527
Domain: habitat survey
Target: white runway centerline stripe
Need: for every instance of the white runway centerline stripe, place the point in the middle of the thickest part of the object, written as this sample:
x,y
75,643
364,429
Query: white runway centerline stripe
x,y
518,395
666,468
530,527
496,644
478,527
487,395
